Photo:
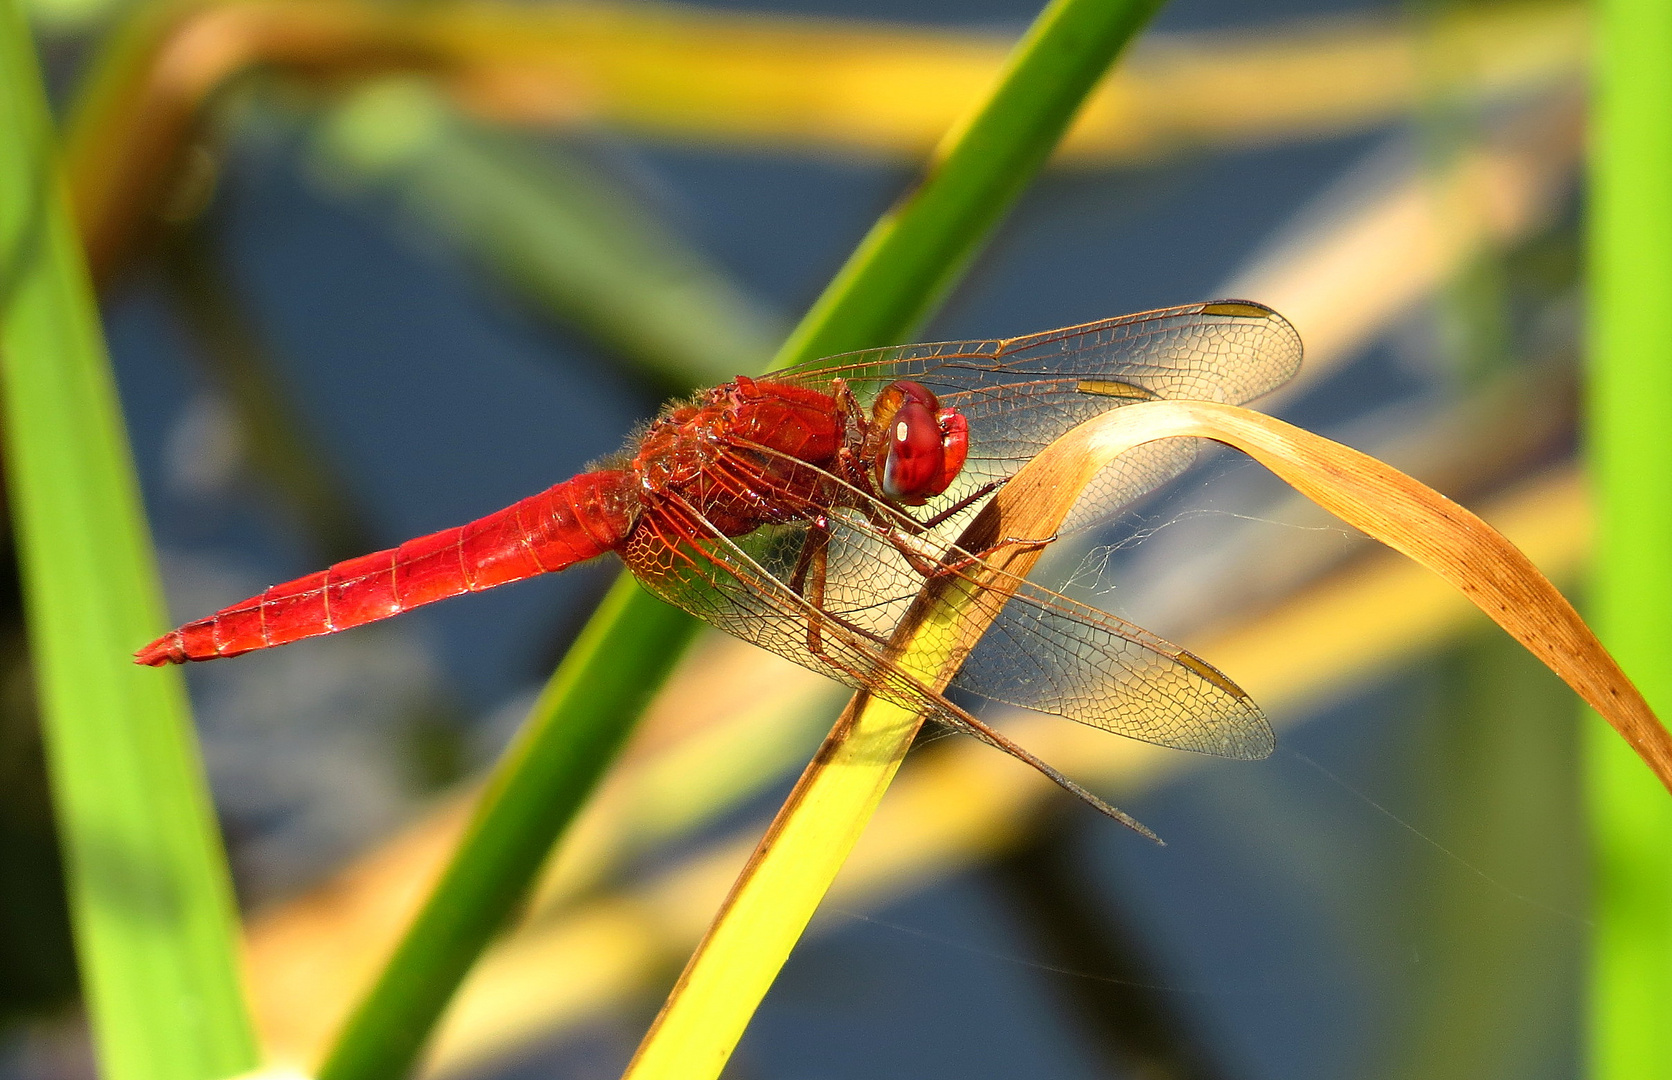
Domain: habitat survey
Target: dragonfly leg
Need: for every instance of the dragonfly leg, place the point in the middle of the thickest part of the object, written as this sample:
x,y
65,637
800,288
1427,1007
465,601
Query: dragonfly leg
x,y
931,568
804,560
916,560
967,559
808,581
962,504
969,725
849,405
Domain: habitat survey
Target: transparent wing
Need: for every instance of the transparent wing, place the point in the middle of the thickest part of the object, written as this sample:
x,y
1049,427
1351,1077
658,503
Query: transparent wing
x,y
739,586
1048,653
1043,652
1020,394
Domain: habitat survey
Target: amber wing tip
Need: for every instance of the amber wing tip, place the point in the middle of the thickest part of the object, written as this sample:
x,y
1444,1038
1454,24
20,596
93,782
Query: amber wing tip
x,y
1248,309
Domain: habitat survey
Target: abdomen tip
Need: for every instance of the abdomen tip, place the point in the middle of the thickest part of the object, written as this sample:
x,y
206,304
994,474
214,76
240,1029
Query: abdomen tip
x,y
165,650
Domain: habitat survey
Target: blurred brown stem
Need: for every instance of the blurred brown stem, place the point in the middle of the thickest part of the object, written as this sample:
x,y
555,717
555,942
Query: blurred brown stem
x,y
686,73
1098,966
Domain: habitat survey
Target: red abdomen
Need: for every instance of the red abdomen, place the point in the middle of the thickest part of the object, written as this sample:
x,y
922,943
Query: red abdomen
x,y
563,525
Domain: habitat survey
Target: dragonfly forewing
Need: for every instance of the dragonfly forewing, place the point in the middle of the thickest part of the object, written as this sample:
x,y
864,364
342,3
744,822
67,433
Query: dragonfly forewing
x,y
1021,394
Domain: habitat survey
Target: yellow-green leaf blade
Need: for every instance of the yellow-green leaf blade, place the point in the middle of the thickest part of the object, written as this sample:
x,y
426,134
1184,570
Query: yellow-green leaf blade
x,y
777,893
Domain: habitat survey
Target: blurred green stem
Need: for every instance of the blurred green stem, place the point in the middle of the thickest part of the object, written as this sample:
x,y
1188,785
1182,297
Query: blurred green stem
x,y
572,734
1631,412
149,893
899,274
1496,756
911,259
555,228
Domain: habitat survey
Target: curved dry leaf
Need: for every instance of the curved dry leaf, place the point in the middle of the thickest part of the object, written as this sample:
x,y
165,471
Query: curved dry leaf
x,y
1418,522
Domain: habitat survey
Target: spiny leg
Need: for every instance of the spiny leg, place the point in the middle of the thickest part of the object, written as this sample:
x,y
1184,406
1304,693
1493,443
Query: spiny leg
x,y
807,581
931,568
804,559
962,504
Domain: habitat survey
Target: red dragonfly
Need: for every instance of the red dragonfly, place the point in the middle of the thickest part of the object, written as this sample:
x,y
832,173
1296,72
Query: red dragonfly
x,y
804,510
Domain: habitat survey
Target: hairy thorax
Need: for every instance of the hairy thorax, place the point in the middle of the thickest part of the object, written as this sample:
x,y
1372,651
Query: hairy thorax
x,y
740,455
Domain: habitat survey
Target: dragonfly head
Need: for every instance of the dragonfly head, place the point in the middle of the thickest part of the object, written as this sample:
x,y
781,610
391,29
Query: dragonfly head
x,y
923,447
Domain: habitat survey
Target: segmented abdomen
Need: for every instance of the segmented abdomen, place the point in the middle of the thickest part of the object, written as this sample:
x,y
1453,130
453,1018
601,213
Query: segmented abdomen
x,y
563,525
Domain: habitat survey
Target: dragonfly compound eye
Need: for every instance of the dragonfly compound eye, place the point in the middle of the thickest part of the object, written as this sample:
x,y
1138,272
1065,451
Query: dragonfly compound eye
x,y
925,451
896,394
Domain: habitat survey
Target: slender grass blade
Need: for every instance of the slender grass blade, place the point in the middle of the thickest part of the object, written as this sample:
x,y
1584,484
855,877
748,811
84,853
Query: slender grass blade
x,y
150,896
